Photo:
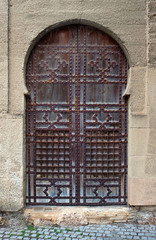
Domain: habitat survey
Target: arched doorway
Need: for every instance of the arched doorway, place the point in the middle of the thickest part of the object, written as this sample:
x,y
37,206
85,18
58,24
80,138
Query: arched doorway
x,y
76,119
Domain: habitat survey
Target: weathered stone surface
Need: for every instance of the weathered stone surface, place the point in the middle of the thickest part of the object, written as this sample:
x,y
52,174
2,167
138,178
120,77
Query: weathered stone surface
x,y
151,141
138,135
9,219
69,218
136,89
21,26
139,121
146,218
139,190
78,216
4,56
152,31
74,216
150,165
137,166
42,222
109,215
2,221
11,158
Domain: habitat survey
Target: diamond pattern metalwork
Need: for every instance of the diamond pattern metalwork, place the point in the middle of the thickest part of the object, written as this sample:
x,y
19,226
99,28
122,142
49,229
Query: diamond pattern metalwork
x,y
76,119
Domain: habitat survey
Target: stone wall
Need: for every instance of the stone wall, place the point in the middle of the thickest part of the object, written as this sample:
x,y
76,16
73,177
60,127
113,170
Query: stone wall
x,y
142,174
132,24
78,216
4,56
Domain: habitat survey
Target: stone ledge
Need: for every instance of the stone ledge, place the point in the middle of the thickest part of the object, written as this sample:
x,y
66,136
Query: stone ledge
x,y
74,216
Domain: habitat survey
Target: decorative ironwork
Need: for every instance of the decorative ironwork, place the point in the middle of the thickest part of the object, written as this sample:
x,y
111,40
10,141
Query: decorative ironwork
x,y
76,119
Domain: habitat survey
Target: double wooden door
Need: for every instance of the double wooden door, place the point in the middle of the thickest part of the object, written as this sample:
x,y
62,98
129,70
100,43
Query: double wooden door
x,y
76,119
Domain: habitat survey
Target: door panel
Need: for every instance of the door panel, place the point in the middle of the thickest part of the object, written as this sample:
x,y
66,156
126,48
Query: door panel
x,y
76,119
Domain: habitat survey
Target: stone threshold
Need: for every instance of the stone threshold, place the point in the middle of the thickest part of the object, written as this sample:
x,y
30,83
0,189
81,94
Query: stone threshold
x,y
76,216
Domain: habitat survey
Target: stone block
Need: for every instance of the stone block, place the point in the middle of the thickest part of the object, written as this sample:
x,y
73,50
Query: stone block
x,y
138,140
137,90
137,101
152,116
74,216
11,154
151,76
3,56
141,191
150,165
136,166
11,194
138,74
16,104
151,144
151,94
4,194
145,218
152,32
139,121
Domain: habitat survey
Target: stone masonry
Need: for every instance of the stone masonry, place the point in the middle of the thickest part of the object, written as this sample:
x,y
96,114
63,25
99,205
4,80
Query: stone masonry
x,y
133,25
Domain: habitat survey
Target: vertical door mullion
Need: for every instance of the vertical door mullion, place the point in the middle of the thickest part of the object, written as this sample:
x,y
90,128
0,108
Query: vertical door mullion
x,y
77,125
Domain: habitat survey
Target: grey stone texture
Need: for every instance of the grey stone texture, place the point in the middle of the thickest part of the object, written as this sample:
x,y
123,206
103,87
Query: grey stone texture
x,y
152,31
102,232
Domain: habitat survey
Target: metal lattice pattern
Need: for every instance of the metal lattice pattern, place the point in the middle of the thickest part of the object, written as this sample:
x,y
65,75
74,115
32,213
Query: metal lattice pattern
x,y
76,119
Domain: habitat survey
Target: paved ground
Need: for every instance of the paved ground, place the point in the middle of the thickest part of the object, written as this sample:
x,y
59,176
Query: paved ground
x,y
97,232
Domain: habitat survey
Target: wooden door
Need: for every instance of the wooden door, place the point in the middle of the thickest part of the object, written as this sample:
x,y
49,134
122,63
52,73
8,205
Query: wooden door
x,y
76,119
